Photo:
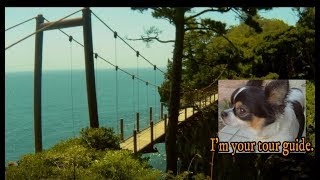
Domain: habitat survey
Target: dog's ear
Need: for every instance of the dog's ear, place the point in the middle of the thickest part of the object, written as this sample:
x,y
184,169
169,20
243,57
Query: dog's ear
x,y
276,92
257,83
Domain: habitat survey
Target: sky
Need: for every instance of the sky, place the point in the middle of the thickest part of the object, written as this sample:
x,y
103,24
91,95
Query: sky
x,y
59,53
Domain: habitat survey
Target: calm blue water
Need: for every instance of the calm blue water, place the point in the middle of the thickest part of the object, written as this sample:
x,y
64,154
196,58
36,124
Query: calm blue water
x,y
65,108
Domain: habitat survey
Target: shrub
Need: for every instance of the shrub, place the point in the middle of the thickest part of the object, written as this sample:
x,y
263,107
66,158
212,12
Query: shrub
x,y
186,175
63,161
87,157
123,164
310,112
30,167
72,159
100,138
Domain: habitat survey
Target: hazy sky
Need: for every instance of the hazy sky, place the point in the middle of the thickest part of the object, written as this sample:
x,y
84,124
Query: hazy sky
x,y
128,23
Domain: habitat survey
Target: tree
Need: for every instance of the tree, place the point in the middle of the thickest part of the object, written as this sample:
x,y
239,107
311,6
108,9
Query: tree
x,y
290,53
186,20
208,55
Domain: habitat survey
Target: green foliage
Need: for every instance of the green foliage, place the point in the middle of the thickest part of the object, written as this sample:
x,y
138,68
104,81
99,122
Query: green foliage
x,y
233,55
181,176
245,39
290,54
123,165
193,146
310,112
100,138
294,166
75,159
186,175
278,52
30,166
201,176
164,89
63,161
307,17
270,76
227,166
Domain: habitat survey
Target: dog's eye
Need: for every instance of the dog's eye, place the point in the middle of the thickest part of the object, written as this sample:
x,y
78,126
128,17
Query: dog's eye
x,y
241,111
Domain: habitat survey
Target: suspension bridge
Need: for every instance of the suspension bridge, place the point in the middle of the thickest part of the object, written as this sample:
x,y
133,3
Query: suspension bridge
x,y
140,140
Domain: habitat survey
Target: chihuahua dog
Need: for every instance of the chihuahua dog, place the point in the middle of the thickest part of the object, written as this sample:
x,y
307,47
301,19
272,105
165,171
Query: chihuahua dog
x,y
271,113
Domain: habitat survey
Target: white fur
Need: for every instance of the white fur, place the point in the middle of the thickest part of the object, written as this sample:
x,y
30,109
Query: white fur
x,y
239,91
296,95
285,128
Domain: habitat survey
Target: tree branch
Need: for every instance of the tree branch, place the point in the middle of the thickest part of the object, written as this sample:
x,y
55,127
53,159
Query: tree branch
x,y
214,81
207,10
239,15
149,39
212,29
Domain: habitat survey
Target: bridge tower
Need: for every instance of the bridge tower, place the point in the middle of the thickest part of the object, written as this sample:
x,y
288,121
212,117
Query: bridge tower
x,y
84,21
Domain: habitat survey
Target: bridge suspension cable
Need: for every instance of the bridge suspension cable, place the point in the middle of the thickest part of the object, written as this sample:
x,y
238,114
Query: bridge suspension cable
x,y
138,84
147,89
20,23
96,55
125,42
96,72
96,81
155,92
71,93
71,80
133,97
40,30
124,71
116,63
74,40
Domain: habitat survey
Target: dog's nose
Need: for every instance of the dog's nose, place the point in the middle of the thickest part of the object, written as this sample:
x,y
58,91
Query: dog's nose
x,y
224,114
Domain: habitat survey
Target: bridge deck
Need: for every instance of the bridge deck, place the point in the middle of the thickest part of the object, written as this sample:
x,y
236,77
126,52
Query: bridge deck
x,y
144,136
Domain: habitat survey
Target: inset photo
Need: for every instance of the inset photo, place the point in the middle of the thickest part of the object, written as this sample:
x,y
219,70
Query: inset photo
x,y
261,110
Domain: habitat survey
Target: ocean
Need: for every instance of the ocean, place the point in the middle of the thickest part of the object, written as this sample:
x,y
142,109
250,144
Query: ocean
x,y
65,107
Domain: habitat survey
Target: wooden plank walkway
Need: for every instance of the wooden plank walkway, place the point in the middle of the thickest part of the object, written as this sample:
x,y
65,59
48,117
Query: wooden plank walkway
x,y
144,136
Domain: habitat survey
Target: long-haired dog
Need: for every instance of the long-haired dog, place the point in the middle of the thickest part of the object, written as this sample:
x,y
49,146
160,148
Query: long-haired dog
x,y
271,113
